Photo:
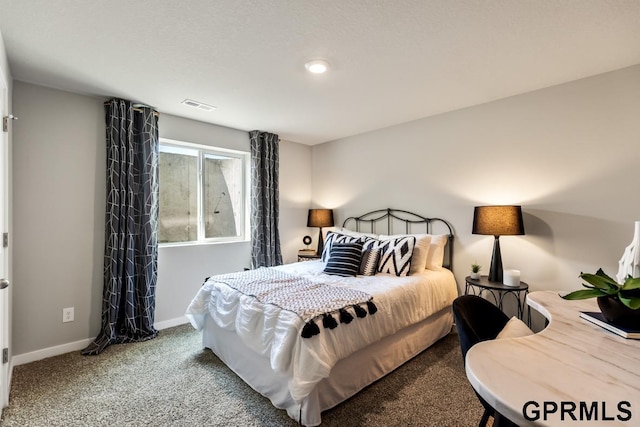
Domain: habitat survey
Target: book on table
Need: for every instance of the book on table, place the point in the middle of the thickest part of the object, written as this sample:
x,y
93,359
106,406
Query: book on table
x,y
307,252
597,318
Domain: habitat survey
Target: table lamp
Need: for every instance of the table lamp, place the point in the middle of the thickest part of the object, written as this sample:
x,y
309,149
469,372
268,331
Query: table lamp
x,y
497,221
320,218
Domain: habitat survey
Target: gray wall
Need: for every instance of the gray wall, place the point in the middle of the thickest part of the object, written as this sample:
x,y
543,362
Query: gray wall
x,y
568,154
59,183
295,197
59,193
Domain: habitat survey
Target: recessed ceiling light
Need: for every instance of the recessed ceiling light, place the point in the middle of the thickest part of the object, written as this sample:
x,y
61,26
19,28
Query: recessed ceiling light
x,y
198,105
317,66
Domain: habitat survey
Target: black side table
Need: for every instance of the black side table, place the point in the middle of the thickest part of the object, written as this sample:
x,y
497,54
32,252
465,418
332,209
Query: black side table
x,y
308,257
498,292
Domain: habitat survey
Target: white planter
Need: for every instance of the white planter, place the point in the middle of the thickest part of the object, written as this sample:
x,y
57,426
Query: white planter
x,y
475,276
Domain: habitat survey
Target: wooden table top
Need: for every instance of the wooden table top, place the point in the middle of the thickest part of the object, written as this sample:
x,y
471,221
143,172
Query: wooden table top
x,y
571,369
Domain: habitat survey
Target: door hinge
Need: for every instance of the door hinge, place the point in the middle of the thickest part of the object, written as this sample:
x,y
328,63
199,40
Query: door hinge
x,y
5,122
5,240
5,355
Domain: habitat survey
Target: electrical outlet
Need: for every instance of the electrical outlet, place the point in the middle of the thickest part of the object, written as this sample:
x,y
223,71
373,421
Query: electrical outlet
x,y
67,315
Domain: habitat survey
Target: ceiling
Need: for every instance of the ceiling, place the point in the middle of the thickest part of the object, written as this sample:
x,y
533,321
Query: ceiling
x,y
391,62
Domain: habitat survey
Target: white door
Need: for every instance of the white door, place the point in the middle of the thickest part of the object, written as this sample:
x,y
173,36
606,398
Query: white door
x,y
4,292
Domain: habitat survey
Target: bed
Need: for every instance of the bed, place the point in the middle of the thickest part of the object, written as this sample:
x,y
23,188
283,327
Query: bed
x,y
346,331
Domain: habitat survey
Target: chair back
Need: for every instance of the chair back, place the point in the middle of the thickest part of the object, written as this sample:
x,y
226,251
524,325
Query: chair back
x,y
476,320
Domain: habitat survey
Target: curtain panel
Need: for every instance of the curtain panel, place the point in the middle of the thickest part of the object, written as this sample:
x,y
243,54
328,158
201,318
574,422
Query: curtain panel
x,y
265,236
131,232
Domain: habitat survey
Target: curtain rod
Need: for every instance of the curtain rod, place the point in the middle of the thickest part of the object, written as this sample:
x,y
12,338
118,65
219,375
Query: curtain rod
x,y
155,113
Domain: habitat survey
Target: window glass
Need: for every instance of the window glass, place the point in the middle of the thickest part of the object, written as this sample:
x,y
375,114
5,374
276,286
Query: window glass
x,y
203,195
222,196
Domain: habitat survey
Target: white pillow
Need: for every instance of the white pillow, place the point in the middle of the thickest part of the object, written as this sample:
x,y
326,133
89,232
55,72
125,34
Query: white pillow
x,y
348,232
514,328
436,251
420,250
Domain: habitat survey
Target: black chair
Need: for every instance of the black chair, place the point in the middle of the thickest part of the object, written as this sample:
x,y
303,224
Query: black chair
x,y
479,320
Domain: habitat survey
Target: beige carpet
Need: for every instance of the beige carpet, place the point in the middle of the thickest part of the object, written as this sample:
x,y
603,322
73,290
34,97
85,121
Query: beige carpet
x,y
173,381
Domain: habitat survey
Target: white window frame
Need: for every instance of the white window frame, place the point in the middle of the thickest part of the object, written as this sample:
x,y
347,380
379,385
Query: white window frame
x,y
202,150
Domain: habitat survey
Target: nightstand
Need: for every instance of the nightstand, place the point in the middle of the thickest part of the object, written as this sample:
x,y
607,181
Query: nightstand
x,y
306,256
498,292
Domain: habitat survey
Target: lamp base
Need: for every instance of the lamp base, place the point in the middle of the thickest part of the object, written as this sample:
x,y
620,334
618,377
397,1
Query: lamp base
x,y
495,271
320,242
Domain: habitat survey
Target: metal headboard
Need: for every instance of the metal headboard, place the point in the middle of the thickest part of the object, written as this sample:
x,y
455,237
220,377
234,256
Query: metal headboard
x,y
410,223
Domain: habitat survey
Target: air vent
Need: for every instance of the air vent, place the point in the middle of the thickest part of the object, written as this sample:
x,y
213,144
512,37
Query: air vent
x,y
198,105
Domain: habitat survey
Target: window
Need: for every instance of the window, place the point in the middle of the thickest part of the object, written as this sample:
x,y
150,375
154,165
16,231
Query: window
x,y
203,193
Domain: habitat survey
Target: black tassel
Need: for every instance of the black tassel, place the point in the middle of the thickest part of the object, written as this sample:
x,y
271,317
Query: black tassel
x,y
360,312
310,329
372,307
328,321
345,317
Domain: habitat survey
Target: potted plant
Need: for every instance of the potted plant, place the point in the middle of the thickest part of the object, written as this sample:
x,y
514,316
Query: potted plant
x,y
475,271
619,303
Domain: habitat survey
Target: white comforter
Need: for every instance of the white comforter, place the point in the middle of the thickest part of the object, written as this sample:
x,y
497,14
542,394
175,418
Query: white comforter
x,y
275,333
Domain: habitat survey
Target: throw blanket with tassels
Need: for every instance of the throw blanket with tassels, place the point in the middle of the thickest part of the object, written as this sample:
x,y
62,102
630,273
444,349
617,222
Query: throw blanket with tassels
x,y
310,301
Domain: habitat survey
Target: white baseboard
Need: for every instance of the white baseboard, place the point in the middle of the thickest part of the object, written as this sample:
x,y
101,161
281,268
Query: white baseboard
x,y
21,359
171,323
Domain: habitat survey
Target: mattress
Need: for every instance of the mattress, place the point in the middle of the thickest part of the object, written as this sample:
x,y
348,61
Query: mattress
x,y
273,334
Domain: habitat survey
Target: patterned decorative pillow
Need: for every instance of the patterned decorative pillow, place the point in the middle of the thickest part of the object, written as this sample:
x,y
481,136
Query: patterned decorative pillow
x,y
420,251
369,263
369,243
396,255
333,237
344,259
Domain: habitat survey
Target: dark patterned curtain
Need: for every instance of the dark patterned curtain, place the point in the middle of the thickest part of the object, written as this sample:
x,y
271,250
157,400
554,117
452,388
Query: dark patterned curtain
x,y
131,232
265,237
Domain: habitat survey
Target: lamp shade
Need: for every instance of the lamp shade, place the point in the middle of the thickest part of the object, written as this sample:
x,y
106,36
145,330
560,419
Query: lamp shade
x,y
320,218
498,220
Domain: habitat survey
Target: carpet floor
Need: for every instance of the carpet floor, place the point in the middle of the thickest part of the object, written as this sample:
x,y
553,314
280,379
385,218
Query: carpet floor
x,y
173,381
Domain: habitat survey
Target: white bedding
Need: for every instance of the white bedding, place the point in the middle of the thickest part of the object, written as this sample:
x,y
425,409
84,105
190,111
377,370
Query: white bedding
x,y
275,333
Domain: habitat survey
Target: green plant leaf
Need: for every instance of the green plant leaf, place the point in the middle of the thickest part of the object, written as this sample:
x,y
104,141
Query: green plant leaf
x,y
600,281
631,283
604,275
585,293
631,302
